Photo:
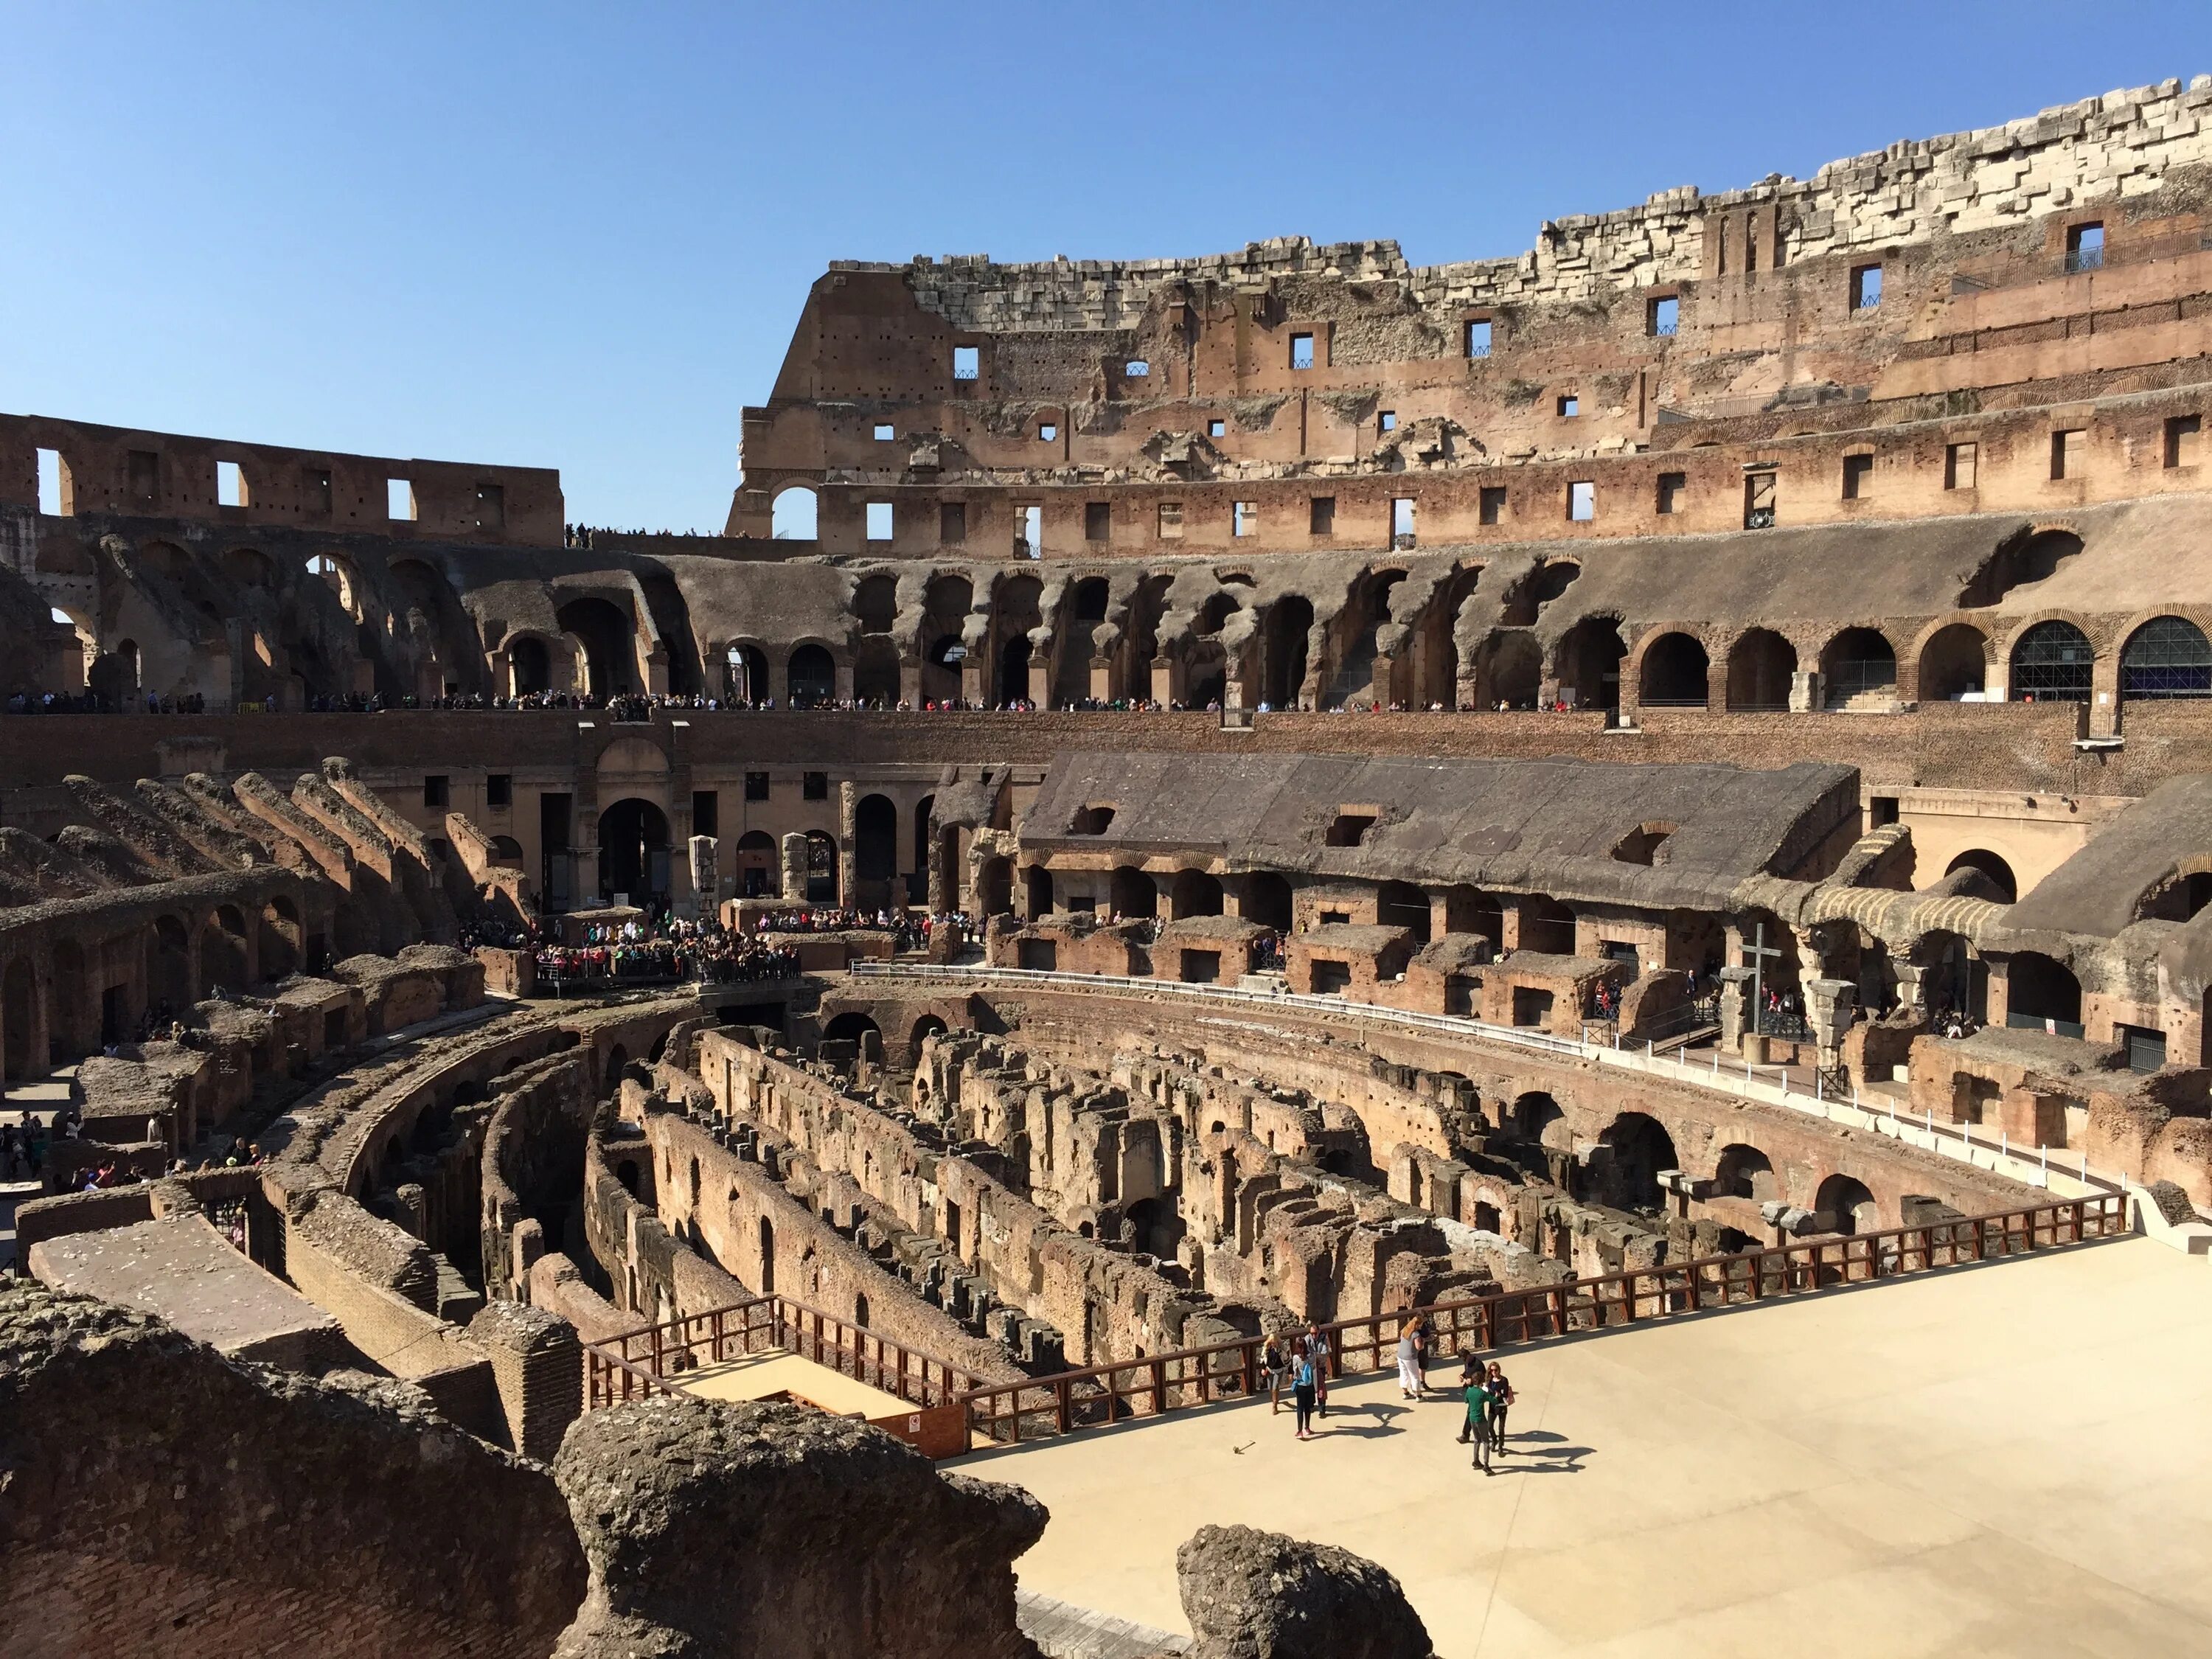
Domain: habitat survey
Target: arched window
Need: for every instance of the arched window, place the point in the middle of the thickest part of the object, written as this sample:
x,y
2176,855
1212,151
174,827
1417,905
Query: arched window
x,y
2166,657
813,677
792,516
1676,671
2052,662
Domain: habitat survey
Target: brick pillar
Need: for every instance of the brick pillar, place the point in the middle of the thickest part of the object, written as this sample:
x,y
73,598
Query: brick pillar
x,y
794,866
848,854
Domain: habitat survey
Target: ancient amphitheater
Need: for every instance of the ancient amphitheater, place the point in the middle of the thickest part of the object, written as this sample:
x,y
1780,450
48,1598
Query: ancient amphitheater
x,y
1648,802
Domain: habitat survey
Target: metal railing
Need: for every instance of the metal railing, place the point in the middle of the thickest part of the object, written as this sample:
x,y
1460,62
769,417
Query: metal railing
x,y
1098,1395
657,1359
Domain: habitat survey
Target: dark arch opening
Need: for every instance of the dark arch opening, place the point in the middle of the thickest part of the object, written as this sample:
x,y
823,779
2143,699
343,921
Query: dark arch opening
x,y
1677,670
2019,562
746,670
1745,1172
1847,1206
610,664
634,851
811,677
1999,873
1509,669
1401,904
1268,900
821,867
875,841
1761,666
529,666
1194,893
1641,1149
2040,988
1858,662
1289,626
1954,665
852,1027
1547,926
1130,893
876,673
875,602
1589,663
1089,600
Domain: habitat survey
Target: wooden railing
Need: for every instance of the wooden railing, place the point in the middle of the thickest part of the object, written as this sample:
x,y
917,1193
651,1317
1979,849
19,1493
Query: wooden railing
x,y
658,1357
1103,1394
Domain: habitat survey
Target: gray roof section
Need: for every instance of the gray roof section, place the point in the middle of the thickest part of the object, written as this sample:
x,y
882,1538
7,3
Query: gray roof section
x,y
2096,890
1536,826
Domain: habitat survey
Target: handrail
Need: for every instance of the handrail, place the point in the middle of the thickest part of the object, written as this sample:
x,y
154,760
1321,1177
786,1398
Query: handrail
x,y
656,1356
1097,1395
2030,1166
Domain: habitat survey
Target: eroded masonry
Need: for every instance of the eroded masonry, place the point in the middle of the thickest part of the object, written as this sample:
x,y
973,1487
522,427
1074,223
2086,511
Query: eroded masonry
x,y
1192,798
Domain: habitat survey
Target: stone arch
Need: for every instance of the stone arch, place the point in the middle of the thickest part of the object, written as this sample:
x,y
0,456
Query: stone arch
x,y
757,869
1846,1206
1525,601
2038,988
1744,1171
994,887
529,665
928,1026
1509,669
1132,893
794,514
1285,636
744,672
822,868
875,603
811,675
875,843
1268,900
1547,926
1761,664
1954,664
1641,1149
1858,662
1401,904
169,982
851,1026
1673,671
603,632
1586,662
281,939
876,672
1038,894
2051,662
225,961
1992,866
1537,1117
634,851
2165,659
1194,893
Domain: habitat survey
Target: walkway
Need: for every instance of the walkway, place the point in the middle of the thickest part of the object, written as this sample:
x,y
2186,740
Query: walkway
x,y
1990,1460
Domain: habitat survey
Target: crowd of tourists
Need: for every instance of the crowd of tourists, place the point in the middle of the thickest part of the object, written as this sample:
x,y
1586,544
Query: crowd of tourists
x,y
1302,1364
907,932
91,702
664,948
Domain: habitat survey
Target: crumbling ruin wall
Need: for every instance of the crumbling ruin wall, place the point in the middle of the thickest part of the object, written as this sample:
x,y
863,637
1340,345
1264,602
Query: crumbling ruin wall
x,y
161,1500
777,1532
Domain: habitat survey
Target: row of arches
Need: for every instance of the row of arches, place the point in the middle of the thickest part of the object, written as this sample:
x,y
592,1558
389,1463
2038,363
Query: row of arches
x,y
2050,661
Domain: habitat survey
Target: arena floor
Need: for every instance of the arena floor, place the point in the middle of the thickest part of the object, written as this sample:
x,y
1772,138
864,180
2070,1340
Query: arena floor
x,y
2004,1460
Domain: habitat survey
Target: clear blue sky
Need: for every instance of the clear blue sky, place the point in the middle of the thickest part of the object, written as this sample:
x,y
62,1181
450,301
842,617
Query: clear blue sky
x,y
579,236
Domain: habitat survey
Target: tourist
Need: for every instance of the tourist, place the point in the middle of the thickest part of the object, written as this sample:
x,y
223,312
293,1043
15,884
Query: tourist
x,y
1317,1350
1477,1407
1410,1355
1278,1367
1501,1396
1304,1383
1470,1373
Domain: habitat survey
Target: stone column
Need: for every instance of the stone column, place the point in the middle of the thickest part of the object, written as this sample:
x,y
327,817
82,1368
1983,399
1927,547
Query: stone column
x,y
848,855
1167,680
1804,691
1829,1007
794,867
1735,997
1102,679
705,876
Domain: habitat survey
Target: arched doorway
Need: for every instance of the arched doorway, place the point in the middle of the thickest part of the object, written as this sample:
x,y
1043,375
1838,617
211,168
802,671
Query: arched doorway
x,y
604,632
994,888
1745,1172
756,870
633,853
2042,991
1013,669
1194,893
1990,864
855,1028
1676,671
1401,904
1641,1148
876,673
1547,926
811,677
745,669
1859,662
1509,669
1588,658
1131,894
822,868
1954,665
1761,664
875,849
1289,625
2166,658
223,960
1846,1206
529,666
793,515
2053,662
1268,900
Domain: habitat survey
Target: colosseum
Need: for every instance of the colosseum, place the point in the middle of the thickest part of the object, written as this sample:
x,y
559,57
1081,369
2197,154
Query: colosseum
x,y
1219,848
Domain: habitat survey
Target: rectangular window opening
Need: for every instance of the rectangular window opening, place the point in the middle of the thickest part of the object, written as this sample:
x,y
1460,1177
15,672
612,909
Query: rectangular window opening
x,y
1478,337
879,521
1047,432
1570,406
491,506
1217,428
1386,421
1582,501
229,485
1492,507
706,813
1028,532
315,491
1665,315
967,362
1301,352
885,432
1959,463
1866,287
1673,487
1401,521
1321,520
2184,439
2085,247
756,786
499,790
52,494
1097,521
1170,521
434,789
1759,499
952,522
814,786
399,501
1858,477
2068,450
1245,520
1136,369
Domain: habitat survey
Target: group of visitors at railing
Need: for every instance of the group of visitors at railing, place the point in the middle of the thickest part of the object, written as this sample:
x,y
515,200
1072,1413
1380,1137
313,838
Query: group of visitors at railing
x,y
665,948
92,702
908,931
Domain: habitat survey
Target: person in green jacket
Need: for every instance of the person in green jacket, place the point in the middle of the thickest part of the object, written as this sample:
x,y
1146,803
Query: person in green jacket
x,y
1477,1422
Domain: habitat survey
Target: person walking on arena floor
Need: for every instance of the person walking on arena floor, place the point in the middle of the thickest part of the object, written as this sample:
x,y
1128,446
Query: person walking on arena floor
x,y
1501,1396
1412,1344
1317,1350
1301,1394
1476,1430
1278,1367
